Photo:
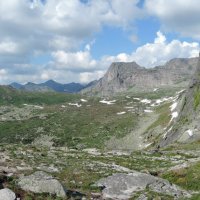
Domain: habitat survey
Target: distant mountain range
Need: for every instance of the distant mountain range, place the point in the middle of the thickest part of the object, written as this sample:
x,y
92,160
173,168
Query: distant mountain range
x,y
51,85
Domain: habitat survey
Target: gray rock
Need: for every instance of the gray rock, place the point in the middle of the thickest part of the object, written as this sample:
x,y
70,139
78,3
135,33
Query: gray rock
x,y
41,182
7,194
122,76
124,186
187,127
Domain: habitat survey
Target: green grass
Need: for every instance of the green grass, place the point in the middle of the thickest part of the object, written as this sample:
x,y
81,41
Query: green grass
x,y
196,98
10,96
187,178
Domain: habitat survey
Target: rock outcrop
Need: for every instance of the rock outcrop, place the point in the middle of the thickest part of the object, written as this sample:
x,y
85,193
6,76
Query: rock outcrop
x,y
187,127
7,194
41,182
124,186
121,76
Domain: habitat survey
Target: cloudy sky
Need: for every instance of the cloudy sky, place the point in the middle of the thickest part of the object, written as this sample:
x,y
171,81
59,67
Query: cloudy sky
x,y
77,40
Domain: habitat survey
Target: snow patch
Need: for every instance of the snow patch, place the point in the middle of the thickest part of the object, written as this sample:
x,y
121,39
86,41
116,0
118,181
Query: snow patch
x,y
121,113
155,89
146,101
107,102
75,104
138,99
189,132
148,111
173,106
83,100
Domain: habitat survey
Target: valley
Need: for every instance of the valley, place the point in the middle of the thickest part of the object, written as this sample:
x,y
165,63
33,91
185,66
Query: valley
x,y
81,139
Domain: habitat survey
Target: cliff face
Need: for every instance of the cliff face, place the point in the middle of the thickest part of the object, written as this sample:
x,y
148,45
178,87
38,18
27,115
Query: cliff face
x,y
187,127
124,76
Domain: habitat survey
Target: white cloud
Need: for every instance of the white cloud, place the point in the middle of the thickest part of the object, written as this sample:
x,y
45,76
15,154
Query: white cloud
x,y
86,77
73,61
59,28
181,16
8,47
158,52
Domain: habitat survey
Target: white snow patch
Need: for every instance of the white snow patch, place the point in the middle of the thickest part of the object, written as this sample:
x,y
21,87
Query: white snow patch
x,y
39,107
173,106
128,97
174,115
148,145
121,113
190,132
146,101
75,104
107,102
155,89
83,100
148,111
138,99
165,134
63,106
158,101
180,92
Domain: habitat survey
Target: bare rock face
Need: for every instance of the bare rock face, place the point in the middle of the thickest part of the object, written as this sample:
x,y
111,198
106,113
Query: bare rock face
x,y
124,186
187,126
123,76
7,194
41,182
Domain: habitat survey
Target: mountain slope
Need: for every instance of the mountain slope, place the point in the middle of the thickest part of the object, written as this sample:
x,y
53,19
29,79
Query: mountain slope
x,y
187,127
32,87
121,76
50,85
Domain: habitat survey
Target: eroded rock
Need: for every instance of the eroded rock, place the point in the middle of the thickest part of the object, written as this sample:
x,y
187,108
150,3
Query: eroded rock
x,y
7,194
41,182
124,186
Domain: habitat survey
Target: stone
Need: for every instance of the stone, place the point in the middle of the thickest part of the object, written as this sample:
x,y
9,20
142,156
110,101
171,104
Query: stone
x,y
124,186
7,194
41,182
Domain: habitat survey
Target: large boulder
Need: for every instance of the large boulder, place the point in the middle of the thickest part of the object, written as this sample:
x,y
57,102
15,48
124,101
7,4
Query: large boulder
x,y
124,186
7,194
41,182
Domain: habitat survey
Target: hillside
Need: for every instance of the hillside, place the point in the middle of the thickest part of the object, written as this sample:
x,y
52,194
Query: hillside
x,y
123,77
186,127
50,86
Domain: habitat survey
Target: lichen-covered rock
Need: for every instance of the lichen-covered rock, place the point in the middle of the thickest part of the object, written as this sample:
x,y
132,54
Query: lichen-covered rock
x,y
41,182
124,186
7,194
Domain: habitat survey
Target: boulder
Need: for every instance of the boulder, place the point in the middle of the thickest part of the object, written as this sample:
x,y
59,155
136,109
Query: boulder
x,y
41,182
124,186
7,194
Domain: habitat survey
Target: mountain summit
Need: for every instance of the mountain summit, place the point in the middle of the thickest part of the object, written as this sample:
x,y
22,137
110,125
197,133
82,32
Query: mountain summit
x,y
122,77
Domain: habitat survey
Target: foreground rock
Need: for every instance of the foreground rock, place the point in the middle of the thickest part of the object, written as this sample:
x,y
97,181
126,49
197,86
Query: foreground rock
x,y
124,186
41,182
7,194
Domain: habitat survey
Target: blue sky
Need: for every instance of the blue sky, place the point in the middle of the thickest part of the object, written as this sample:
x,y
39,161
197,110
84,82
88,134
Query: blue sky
x,y
77,40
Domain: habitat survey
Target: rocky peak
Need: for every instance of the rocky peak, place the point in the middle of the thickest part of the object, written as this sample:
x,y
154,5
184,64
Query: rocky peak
x,y
123,76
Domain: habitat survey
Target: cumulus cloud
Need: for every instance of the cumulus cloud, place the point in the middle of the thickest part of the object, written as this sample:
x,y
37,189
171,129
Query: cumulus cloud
x,y
158,52
179,16
57,28
74,60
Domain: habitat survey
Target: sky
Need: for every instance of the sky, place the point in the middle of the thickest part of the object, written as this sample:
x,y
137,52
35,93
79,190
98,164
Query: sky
x,y
77,40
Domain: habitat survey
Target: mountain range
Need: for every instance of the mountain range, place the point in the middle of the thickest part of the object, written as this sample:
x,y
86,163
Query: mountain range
x,y
124,77
50,85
